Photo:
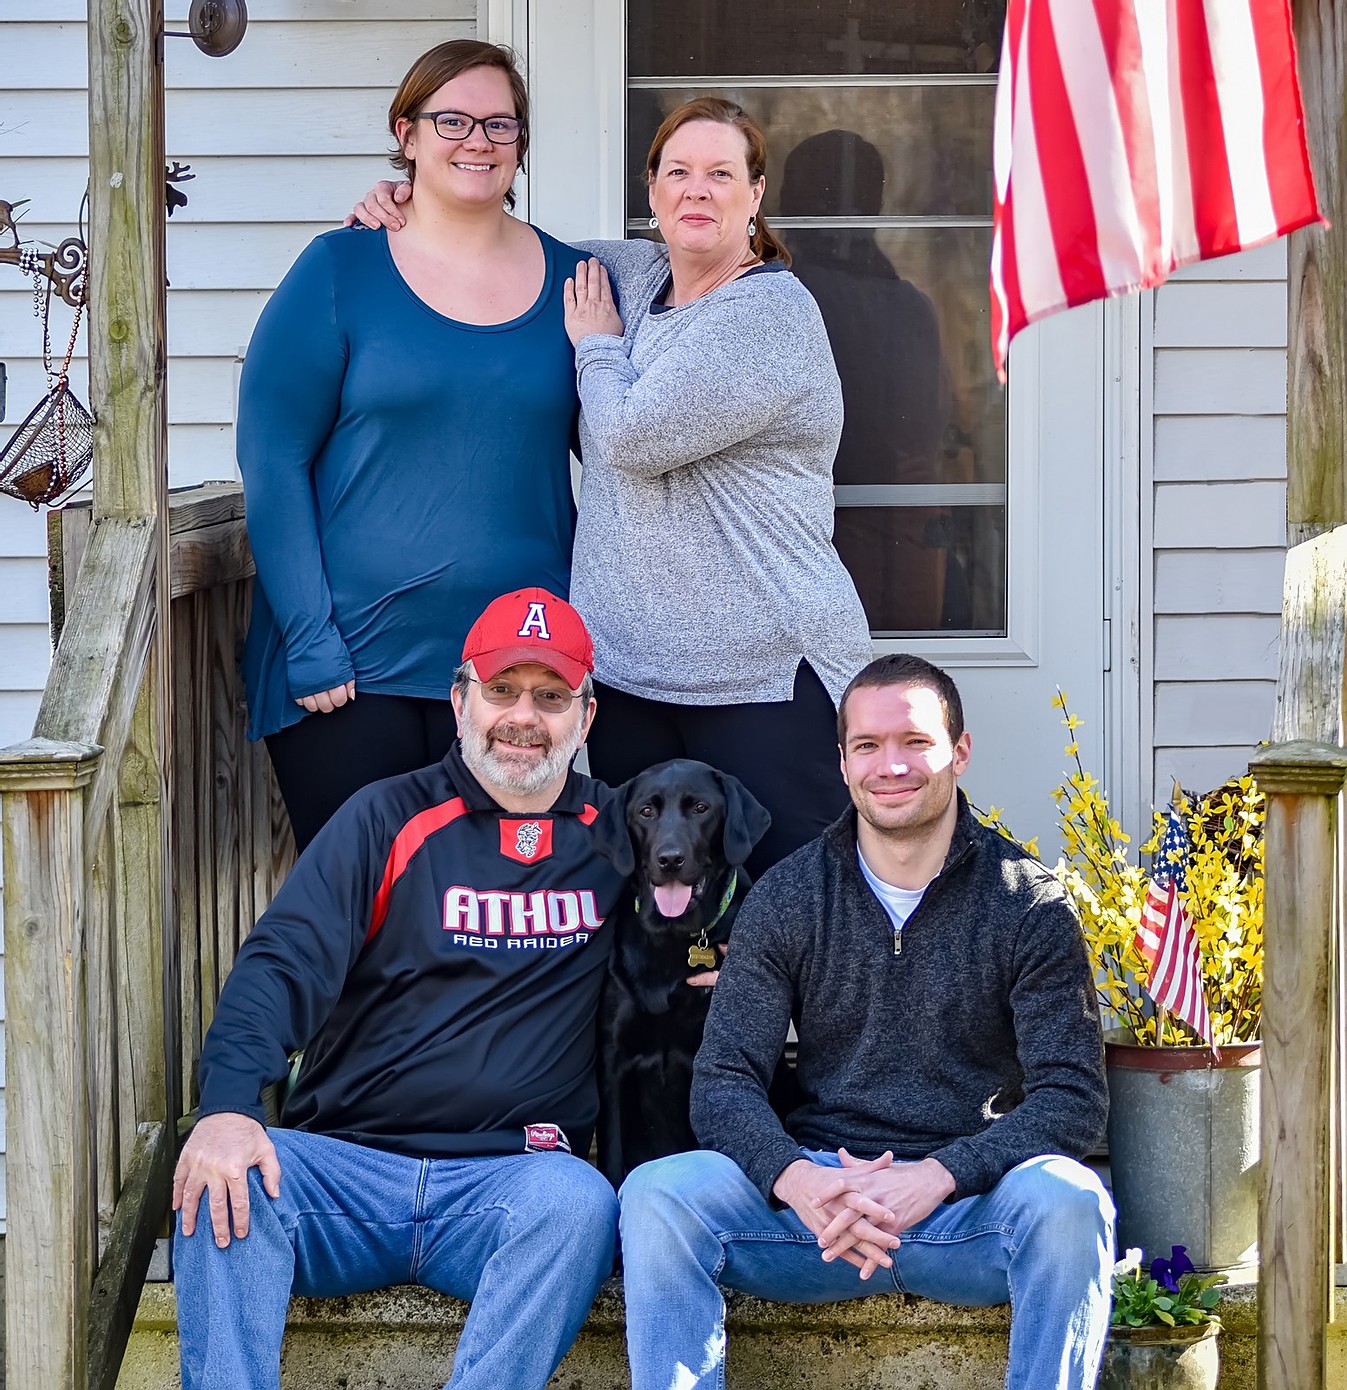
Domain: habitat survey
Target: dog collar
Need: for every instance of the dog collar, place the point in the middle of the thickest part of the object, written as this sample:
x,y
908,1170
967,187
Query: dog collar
x,y
725,899
701,955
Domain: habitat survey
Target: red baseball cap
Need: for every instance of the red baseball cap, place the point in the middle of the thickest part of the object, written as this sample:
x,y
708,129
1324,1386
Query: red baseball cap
x,y
530,625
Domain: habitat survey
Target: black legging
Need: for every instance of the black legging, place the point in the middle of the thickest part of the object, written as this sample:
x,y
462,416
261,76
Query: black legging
x,y
324,758
784,752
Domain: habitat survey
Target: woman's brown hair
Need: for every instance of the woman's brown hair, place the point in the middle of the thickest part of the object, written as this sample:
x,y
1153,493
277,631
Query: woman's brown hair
x,y
763,243
442,64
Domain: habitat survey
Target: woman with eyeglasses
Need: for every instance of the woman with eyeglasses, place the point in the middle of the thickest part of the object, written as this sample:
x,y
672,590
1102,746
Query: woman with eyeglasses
x,y
406,415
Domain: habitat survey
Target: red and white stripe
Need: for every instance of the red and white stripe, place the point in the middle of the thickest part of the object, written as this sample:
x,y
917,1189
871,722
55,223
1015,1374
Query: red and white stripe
x,y
1154,915
1136,136
1175,980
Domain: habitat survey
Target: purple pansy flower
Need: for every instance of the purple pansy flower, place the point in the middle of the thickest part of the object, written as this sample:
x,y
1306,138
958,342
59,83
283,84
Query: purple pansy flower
x,y
1169,1271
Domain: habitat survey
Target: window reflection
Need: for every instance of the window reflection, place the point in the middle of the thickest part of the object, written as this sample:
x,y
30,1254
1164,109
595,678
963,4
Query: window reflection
x,y
927,569
934,143
789,37
906,310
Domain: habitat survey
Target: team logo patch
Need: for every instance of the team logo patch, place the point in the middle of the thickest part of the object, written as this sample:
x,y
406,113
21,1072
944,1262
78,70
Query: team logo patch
x,y
535,623
526,841
545,1139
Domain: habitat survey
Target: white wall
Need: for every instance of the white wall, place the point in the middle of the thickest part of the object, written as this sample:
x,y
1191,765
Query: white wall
x,y
1218,347
283,135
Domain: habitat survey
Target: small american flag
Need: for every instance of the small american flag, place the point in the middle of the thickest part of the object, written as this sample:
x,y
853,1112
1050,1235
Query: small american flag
x,y
1135,136
1166,938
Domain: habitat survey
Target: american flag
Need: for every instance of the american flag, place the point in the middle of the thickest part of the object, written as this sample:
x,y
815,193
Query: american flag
x,y
1135,136
1166,938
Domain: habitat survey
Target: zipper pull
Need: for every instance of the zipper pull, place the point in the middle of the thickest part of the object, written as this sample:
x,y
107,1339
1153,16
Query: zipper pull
x,y
898,943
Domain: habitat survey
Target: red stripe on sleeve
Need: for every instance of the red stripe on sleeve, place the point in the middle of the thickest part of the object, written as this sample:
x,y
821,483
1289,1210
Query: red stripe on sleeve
x,y
408,840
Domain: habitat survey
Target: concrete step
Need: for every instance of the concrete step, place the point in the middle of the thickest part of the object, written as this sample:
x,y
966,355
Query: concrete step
x,y
403,1339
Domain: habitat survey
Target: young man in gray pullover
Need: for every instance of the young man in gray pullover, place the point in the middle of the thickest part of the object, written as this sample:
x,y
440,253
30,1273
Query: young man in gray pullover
x,y
951,1066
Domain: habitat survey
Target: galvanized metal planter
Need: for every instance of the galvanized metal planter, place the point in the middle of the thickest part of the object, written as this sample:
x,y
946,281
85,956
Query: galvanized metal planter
x,y
1183,1150
1161,1358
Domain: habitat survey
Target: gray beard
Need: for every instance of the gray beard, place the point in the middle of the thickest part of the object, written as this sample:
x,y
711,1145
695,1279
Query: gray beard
x,y
520,778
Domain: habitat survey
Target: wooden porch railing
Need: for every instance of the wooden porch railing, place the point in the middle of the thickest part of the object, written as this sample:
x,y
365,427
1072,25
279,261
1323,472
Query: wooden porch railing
x,y
112,966
1302,774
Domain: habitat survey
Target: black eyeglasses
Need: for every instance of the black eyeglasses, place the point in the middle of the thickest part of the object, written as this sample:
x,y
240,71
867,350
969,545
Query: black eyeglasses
x,y
458,125
548,698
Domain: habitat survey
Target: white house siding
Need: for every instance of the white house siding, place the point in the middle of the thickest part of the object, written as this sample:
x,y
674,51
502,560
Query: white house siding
x,y
1218,348
282,136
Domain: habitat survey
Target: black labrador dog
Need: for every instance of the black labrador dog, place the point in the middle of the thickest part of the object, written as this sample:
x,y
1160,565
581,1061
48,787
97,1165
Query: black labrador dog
x,y
682,830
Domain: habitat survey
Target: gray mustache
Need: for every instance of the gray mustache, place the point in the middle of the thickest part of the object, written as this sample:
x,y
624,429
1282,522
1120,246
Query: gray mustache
x,y
527,737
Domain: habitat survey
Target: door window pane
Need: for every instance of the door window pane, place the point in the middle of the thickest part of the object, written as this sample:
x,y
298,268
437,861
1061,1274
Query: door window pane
x,y
789,37
927,569
906,310
850,151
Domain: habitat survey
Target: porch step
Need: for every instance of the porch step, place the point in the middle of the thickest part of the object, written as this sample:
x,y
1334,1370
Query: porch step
x,y
403,1339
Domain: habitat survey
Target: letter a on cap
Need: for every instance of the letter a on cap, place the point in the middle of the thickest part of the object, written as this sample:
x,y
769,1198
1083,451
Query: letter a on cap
x,y
536,622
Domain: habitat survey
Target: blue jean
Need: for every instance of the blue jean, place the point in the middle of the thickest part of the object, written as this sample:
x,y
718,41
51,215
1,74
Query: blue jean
x,y
1041,1240
526,1238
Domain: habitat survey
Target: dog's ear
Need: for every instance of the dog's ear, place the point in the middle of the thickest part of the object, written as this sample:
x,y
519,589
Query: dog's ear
x,y
746,819
612,839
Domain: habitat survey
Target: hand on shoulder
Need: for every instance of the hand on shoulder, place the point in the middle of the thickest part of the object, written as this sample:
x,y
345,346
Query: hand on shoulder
x,y
381,206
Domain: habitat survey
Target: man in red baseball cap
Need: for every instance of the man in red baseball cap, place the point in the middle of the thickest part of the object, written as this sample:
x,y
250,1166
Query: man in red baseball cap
x,y
437,952
527,662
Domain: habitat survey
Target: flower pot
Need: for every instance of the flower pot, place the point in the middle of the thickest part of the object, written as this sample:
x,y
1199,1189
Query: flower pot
x,y
1161,1358
1183,1149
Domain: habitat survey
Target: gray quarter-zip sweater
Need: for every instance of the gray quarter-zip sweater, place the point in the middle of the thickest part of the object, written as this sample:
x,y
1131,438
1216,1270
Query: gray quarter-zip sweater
x,y
704,564
977,1043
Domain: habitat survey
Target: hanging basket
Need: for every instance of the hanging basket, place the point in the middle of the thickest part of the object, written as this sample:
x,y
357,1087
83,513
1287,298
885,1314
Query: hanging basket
x,y
51,451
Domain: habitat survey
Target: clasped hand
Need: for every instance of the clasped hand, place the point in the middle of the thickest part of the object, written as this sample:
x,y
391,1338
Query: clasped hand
x,y
859,1211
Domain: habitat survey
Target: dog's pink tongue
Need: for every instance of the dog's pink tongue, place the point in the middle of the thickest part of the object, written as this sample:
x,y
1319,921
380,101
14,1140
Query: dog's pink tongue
x,y
672,899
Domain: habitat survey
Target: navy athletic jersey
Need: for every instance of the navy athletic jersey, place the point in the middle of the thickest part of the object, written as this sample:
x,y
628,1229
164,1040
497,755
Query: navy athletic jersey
x,y
440,961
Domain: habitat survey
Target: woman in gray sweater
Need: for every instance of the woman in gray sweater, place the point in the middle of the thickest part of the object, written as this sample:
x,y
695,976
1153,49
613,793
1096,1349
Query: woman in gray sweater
x,y
725,625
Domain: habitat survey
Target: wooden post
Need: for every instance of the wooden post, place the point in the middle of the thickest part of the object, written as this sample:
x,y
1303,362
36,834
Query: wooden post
x,y
1302,781
50,1178
1316,417
126,255
127,386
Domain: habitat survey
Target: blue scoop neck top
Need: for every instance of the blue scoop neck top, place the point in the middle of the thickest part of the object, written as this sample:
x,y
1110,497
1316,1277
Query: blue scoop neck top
x,y
400,470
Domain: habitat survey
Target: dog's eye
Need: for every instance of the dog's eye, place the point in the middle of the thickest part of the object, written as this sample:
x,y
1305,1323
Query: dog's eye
x,y
646,812
700,809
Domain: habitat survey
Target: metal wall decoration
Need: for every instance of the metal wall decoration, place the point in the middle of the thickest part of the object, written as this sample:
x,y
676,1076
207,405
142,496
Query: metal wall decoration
x,y
215,26
51,450
64,267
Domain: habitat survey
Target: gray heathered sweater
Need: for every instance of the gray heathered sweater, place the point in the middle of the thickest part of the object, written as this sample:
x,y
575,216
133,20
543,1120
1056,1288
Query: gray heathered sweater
x,y
704,564
989,1010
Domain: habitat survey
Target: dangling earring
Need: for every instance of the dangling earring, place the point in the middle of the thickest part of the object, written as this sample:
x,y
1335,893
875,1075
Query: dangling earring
x,y
752,228
654,221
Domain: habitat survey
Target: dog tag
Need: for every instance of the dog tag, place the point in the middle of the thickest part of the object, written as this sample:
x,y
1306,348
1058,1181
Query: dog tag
x,y
701,957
